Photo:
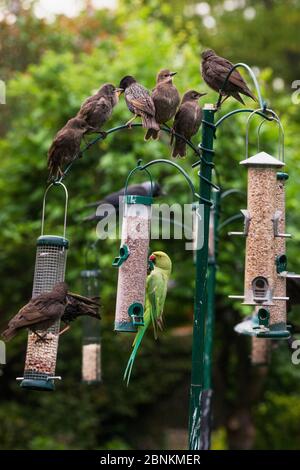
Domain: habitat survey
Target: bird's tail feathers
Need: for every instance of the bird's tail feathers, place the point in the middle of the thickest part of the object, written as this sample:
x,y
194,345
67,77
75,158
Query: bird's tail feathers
x,y
136,345
238,97
8,334
149,122
151,134
179,149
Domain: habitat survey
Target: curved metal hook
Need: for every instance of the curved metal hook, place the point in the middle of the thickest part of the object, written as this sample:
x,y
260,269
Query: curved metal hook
x,y
184,173
139,167
280,135
274,117
262,103
58,183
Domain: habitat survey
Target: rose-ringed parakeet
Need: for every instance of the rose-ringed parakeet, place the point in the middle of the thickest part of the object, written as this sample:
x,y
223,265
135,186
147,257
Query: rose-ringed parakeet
x,y
156,291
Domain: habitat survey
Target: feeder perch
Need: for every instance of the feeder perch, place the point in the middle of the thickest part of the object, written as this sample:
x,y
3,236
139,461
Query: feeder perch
x,y
260,241
132,262
91,345
276,220
51,255
247,220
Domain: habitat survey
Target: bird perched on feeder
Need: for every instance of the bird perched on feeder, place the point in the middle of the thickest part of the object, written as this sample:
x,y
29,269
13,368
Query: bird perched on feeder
x,y
139,102
187,121
156,291
66,146
46,307
166,100
143,189
97,109
214,72
51,306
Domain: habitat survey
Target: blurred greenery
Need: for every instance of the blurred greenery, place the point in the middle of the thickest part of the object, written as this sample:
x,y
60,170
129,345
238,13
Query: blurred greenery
x,y
49,69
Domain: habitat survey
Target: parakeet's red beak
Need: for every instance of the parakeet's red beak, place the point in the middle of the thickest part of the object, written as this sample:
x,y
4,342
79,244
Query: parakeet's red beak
x,y
152,258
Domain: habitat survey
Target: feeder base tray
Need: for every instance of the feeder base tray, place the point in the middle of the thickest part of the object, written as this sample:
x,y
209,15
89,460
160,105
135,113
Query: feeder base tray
x,y
126,327
40,384
274,334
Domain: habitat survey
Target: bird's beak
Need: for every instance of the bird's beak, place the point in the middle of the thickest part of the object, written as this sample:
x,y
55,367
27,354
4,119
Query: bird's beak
x,y
119,91
202,94
172,74
152,258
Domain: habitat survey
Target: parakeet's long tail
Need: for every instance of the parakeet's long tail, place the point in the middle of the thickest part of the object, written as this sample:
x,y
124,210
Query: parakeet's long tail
x,y
136,345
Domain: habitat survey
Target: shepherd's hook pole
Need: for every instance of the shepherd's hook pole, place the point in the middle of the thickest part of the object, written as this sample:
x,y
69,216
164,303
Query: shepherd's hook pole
x,y
208,131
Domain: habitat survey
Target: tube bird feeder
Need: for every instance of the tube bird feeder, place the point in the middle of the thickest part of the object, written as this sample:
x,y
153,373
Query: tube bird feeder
x,y
260,241
91,347
50,264
133,263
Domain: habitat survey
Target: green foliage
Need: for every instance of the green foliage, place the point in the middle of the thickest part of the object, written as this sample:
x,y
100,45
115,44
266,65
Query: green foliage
x,y
61,69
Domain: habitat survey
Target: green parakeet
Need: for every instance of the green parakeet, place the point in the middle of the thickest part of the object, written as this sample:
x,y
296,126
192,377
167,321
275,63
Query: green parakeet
x,y
156,291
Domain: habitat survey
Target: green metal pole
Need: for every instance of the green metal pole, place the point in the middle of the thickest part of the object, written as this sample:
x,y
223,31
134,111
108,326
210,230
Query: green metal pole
x,y
207,392
195,414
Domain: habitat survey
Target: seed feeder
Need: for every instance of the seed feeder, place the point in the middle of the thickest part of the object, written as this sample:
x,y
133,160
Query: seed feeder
x,y
132,262
91,345
51,255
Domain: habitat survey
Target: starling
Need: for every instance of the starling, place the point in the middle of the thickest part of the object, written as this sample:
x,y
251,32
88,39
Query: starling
x,y
97,109
214,72
78,306
139,102
166,100
187,121
46,307
66,146
143,189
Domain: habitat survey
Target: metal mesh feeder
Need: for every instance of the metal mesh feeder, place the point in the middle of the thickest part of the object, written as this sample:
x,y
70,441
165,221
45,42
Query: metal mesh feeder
x,y
50,263
91,344
133,262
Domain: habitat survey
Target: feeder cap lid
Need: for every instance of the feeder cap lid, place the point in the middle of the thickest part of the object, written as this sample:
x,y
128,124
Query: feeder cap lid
x,y
52,240
135,199
262,159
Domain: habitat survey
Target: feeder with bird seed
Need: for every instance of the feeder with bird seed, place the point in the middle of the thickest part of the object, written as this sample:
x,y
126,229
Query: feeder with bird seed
x,y
132,261
91,344
51,255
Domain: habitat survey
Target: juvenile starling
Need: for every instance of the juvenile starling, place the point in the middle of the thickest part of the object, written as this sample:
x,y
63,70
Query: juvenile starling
x,y
187,121
47,307
143,189
78,306
139,102
214,72
97,109
66,146
166,100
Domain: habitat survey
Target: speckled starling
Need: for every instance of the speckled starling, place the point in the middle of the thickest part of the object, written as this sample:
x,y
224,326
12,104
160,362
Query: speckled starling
x,y
139,102
97,109
47,307
66,146
187,121
166,100
214,72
